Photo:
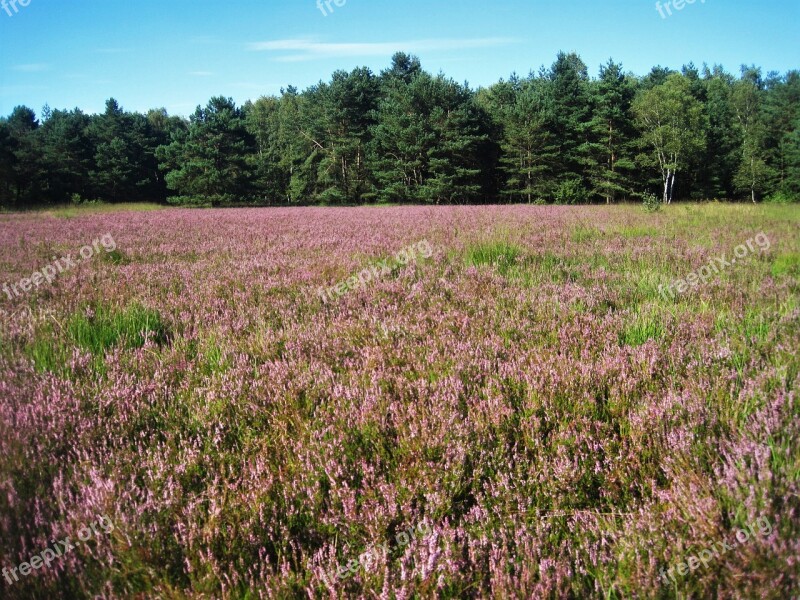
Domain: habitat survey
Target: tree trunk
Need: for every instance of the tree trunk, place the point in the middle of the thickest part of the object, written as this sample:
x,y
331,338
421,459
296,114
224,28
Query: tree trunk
x,y
671,188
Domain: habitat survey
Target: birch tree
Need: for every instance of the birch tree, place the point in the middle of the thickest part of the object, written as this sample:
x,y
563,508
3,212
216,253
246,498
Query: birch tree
x,y
671,120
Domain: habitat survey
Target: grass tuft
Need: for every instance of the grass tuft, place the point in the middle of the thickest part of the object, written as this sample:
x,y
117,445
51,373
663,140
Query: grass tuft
x,y
96,330
643,328
500,255
786,264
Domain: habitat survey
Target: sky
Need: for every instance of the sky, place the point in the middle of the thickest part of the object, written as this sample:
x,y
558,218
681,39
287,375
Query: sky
x,y
177,54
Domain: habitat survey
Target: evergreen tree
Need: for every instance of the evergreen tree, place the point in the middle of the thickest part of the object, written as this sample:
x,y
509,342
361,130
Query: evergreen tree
x,y
24,129
781,113
529,152
721,156
263,123
342,130
428,141
8,161
607,153
211,161
409,136
125,166
68,155
571,112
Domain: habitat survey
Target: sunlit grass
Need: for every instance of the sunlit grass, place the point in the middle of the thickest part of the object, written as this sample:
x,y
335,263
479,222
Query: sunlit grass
x,y
69,211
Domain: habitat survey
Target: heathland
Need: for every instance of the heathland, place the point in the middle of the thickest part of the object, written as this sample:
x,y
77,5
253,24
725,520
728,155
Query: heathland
x,y
536,407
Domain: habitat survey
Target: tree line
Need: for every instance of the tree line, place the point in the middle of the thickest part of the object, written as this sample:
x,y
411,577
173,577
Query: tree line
x,y
408,136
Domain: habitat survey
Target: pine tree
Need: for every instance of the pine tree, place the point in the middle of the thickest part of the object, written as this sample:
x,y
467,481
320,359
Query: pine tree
x,y
720,158
68,155
210,162
427,141
529,151
571,112
607,155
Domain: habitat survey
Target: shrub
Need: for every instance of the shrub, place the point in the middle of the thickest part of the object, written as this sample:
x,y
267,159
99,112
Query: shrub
x,y
781,197
78,200
651,202
571,191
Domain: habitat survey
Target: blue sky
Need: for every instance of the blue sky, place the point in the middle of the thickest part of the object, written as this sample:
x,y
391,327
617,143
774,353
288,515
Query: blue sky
x,y
179,53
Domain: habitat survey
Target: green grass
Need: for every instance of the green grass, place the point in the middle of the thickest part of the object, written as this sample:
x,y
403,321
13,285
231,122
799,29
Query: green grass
x,y
786,264
70,211
582,234
633,232
501,255
108,328
96,332
115,257
645,326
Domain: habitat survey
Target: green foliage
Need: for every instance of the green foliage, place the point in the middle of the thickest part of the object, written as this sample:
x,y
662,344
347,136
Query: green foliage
x,y
426,141
651,202
608,150
208,162
583,234
571,191
114,257
78,201
786,264
643,328
523,110
405,135
781,197
672,122
721,157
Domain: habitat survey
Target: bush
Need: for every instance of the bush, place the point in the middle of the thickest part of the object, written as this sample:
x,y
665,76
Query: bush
x,y
781,197
213,200
571,191
78,200
651,202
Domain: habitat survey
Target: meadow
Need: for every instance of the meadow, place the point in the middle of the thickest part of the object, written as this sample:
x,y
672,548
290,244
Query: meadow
x,y
522,412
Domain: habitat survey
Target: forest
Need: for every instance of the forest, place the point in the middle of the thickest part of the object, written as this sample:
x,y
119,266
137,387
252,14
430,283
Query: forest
x,y
557,136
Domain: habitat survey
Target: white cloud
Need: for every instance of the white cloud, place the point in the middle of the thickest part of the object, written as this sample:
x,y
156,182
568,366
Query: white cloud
x,y
304,49
114,50
201,73
32,68
17,90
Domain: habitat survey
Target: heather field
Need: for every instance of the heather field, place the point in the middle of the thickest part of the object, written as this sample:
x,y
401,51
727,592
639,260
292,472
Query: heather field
x,y
401,402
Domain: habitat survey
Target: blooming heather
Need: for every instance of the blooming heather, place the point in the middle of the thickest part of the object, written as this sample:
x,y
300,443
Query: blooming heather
x,y
564,429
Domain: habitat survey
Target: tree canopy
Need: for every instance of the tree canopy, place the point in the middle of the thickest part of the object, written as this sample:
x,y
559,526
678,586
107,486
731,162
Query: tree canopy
x,y
405,135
